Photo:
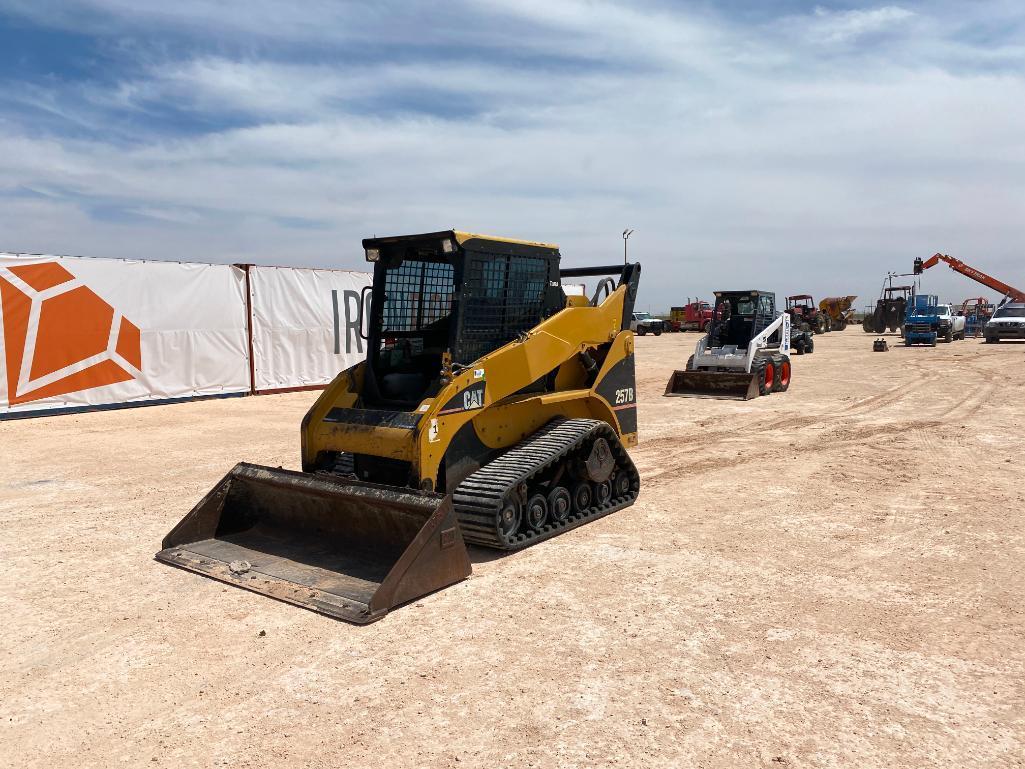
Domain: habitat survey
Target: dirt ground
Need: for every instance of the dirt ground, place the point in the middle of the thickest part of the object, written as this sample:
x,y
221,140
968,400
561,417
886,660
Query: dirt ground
x,y
830,577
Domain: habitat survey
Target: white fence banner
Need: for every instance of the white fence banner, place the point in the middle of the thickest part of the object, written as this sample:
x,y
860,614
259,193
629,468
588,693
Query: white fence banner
x,y
80,332
305,325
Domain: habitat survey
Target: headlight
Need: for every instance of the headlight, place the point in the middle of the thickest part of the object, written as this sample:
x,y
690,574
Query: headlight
x,y
447,246
373,254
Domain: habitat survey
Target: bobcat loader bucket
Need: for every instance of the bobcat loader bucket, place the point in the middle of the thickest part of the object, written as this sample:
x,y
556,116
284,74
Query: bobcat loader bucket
x,y
739,386
344,548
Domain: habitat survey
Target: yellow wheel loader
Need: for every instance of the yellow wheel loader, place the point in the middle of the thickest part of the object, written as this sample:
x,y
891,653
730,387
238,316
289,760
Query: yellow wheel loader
x,y
491,409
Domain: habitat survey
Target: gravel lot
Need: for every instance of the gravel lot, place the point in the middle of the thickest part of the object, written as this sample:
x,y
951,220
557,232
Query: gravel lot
x,y
830,577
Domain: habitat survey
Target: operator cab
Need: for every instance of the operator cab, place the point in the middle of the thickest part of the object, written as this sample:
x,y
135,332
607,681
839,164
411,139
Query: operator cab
x,y
739,316
802,303
449,296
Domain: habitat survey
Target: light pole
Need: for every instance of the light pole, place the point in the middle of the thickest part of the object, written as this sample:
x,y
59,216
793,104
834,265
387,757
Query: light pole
x,y
626,236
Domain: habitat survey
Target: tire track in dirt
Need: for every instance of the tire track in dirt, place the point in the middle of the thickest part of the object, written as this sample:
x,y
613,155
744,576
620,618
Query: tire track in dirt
x,y
863,407
843,438
862,441
970,405
892,396
664,446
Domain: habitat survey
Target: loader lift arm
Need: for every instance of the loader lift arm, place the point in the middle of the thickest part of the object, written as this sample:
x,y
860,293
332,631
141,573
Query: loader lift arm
x,y
970,272
761,341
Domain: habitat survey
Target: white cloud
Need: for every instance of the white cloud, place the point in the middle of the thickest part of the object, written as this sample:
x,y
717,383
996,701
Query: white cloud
x,y
738,152
831,27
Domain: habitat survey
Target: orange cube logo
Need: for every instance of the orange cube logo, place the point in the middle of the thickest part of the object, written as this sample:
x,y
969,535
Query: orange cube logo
x,y
60,337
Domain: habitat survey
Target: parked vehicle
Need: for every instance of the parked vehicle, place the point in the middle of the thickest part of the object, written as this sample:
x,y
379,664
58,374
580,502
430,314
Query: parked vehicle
x,y
806,316
977,312
868,322
891,308
1004,325
838,310
645,323
801,342
951,324
746,352
922,323
1008,322
360,532
693,316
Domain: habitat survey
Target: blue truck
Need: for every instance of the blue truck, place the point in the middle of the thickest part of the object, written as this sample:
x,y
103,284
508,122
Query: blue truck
x,y
922,320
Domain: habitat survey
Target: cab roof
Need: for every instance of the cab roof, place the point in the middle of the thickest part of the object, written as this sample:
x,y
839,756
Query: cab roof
x,y
752,292
460,236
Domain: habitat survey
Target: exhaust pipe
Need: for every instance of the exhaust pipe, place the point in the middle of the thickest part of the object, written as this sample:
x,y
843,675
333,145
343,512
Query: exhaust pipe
x,y
341,547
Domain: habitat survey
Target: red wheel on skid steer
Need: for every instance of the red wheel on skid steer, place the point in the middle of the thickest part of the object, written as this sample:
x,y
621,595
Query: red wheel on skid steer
x,y
783,374
770,376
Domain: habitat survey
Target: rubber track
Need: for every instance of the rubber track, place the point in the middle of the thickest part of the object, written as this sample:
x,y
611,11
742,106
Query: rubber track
x,y
478,499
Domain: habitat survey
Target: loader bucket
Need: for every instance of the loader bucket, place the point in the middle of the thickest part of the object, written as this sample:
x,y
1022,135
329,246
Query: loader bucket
x,y
344,548
739,386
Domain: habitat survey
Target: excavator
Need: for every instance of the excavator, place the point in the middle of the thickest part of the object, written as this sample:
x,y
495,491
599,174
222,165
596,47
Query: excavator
x,y
492,409
1012,293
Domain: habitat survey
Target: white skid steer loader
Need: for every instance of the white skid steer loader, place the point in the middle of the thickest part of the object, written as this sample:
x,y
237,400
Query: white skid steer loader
x,y
746,352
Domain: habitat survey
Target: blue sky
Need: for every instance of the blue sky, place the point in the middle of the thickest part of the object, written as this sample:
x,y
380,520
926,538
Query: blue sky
x,y
789,146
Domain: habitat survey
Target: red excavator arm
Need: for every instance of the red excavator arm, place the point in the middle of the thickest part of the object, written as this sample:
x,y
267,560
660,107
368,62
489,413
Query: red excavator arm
x,y
958,266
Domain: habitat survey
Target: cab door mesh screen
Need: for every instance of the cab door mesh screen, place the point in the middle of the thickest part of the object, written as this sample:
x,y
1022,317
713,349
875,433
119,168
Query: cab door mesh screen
x,y
505,297
417,294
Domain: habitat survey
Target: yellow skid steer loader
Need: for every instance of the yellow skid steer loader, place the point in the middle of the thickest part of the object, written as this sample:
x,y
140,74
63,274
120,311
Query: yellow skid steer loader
x,y
492,409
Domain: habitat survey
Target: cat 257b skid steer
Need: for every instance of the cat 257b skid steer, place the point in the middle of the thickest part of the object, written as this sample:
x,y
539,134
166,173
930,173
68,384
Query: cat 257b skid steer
x,y
491,409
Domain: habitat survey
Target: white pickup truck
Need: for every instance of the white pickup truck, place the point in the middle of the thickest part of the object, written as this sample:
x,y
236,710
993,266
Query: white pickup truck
x,y
642,323
951,325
